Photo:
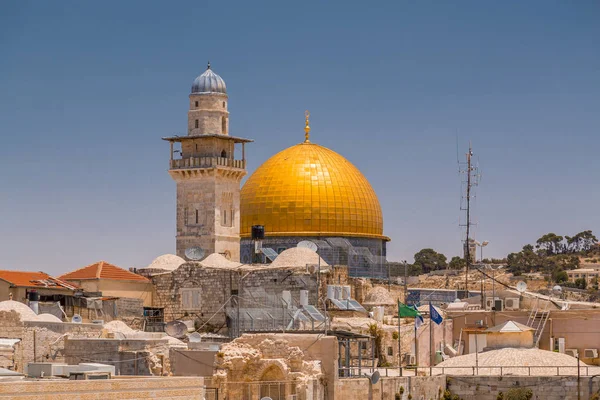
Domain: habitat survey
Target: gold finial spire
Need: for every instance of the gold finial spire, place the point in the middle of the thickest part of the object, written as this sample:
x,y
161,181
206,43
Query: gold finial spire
x,y
307,127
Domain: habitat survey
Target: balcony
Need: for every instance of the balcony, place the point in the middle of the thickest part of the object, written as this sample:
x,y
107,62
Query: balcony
x,y
207,162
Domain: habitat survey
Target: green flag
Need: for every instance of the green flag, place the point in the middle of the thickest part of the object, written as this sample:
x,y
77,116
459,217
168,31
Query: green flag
x,y
405,311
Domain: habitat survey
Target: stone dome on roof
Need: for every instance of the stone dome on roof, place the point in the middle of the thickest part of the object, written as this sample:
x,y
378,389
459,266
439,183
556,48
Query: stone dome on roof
x,y
379,296
514,361
216,260
297,257
209,82
25,312
166,262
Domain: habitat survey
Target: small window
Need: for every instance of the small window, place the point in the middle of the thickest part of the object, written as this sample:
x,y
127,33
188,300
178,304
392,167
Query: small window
x,y
196,216
224,154
224,218
224,125
223,104
280,250
191,298
363,345
390,351
196,104
196,124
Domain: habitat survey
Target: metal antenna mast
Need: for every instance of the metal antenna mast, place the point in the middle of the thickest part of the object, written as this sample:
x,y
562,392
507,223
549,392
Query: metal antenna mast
x,y
472,180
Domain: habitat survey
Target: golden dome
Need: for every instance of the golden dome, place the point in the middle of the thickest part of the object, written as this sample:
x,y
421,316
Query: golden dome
x,y
309,190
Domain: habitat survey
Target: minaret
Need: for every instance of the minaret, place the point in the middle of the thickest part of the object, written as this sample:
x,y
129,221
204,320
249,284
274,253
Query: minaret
x,y
207,174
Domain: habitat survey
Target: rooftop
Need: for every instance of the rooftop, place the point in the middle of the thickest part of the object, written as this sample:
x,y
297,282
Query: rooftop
x,y
103,270
34,279
514,361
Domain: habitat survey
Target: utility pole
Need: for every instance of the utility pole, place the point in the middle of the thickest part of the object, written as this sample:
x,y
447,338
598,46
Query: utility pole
x,y
472,180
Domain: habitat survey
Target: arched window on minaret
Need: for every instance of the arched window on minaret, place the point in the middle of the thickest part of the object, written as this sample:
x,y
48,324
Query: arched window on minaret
x,y
224,126
223,154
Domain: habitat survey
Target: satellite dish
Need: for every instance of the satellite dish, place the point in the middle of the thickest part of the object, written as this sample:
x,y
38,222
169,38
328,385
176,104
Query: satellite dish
x,y
76,319
374,377
557,289
521,286
194,253
307,244
177,329
195,337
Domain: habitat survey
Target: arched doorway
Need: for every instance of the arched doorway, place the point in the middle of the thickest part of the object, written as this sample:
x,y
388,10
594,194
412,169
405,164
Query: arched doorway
x,y
273,383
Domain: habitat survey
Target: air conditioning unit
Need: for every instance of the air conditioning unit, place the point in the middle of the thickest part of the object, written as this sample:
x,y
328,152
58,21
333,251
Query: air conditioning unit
x,y
489,303
511,304
572,352
409,359
479,323
590,353
98,321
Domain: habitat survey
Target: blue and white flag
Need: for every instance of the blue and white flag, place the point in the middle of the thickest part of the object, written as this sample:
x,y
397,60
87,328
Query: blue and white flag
x,y
418,322
435,316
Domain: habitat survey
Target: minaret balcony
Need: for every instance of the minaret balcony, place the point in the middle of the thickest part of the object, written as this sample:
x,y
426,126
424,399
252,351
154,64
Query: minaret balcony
x,y
207,162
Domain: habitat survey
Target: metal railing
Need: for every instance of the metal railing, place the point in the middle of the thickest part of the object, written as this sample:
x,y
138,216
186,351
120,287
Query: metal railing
x,y
206,162
357,372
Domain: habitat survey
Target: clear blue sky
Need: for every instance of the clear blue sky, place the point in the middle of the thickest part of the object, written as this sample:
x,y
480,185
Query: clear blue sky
x,y
87,89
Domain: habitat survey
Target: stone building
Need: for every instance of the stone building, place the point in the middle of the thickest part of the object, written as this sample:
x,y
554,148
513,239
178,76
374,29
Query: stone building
x,y
217,292
29,337
207,173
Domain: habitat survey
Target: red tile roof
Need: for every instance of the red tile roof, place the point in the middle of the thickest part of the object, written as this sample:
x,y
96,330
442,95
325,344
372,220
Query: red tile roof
x,y
103,270
34,279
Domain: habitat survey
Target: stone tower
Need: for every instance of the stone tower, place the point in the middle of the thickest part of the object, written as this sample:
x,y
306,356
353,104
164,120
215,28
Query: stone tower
x,y
207,173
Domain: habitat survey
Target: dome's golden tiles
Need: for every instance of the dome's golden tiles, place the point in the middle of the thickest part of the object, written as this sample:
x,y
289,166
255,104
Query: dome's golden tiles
x,y
309,190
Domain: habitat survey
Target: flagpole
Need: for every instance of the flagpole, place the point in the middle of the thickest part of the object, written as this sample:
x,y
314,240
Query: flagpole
x,y
399,343
430,340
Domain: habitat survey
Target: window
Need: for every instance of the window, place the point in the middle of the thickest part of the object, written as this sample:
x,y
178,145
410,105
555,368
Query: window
x,y
224,154
196,124
363,345
224,125
390,351
196,104
196,216
280,250
191,298
224,222
223,104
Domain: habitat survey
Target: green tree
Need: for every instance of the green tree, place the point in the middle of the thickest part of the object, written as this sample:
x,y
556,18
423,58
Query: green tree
x,y
519,394
457,263
559,275
550,243
430,260
581,283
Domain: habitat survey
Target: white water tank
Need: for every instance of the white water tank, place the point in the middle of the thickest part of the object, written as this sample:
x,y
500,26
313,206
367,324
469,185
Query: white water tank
x,y
304,297
331,291
346,293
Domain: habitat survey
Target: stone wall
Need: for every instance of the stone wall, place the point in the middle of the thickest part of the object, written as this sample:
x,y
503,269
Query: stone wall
x,y
129,356
181,388
219,288
546,388
39,341
386,389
